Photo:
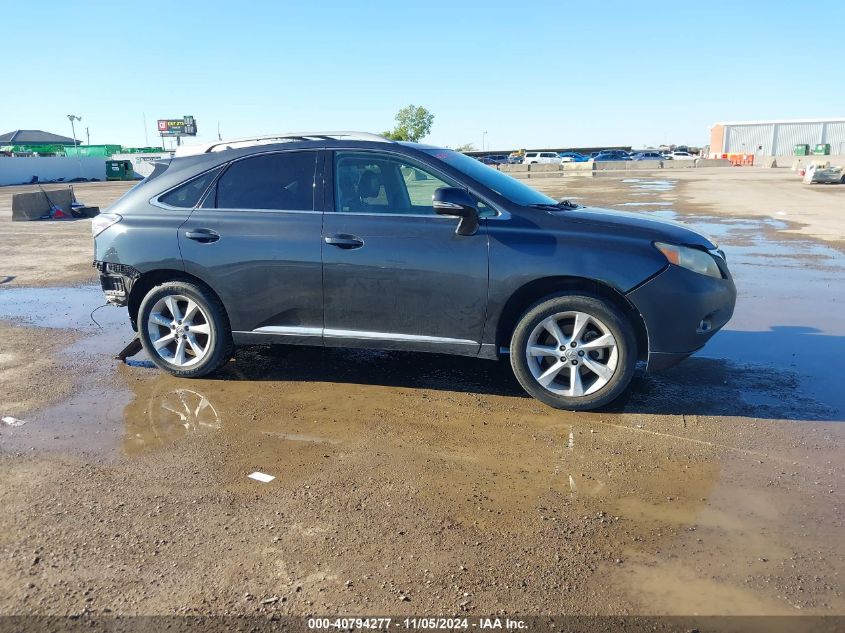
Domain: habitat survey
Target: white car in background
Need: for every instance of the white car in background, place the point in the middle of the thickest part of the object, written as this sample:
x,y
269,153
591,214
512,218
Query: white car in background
x,y
679,156
824,173
549,158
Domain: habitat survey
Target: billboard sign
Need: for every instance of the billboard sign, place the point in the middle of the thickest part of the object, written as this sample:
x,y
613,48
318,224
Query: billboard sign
x,y
186,126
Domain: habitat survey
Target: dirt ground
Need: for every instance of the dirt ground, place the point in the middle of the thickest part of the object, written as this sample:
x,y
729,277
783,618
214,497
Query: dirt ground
x,y
51,253
421,484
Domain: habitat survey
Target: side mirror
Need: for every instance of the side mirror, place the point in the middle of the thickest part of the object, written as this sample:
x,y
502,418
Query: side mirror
x,y
456,202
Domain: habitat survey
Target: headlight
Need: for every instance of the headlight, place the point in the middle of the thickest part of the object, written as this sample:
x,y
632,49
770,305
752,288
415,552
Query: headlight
x,y
100,223
692,259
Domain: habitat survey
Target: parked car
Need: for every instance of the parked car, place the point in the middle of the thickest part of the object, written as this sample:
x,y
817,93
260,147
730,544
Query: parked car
x,y
647,156
541,157
498,159
487,160
310,242
680,156
573,157
612,154
823,173
515,159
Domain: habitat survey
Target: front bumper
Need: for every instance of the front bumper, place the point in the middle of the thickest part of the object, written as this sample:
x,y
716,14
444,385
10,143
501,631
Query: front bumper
x,y
116,281
682,310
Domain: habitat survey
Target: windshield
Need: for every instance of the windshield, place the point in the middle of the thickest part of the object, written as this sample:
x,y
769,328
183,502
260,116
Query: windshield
x,y
502,184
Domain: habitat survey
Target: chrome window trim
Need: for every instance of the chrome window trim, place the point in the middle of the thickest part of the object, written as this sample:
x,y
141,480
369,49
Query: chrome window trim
x,y
500,215
439,173
398,215
225,166
261,210
154,201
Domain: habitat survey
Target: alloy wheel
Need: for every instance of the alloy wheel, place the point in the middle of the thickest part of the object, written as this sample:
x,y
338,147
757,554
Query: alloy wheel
x,y
572,354
179,330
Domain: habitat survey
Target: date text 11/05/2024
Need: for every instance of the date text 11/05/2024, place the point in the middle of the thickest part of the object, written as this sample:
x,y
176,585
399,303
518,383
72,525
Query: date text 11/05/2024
x,y
417,623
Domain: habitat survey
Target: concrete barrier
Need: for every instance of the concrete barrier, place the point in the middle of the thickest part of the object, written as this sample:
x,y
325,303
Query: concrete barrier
x,y
545,174
610,165
712,162
32,206
577,167
543,167
644,164
678,164
19,171
142,164
788,159
514,168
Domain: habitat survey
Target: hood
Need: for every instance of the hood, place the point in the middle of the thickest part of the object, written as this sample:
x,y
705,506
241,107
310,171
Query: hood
x,y
654,229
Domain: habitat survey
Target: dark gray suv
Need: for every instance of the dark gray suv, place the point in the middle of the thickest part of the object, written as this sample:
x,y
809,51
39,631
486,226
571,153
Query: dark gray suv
x,y
351,240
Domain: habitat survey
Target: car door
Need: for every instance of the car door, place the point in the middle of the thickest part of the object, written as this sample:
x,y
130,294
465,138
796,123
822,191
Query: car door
x,y
395,274
255,240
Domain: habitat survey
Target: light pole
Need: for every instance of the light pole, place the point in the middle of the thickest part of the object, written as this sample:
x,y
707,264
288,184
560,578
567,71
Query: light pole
x,y
72,118
483,140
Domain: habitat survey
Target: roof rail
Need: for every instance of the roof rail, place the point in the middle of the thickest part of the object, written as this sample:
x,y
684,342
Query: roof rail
x,y
288,137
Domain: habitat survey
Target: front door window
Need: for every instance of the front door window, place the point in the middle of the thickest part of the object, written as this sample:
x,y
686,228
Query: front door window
x,y
378,183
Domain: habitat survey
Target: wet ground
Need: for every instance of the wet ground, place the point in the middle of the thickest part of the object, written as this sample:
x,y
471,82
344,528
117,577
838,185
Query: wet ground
x,y
409,483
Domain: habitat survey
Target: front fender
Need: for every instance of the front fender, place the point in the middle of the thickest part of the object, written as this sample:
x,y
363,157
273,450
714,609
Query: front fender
x,y
521,254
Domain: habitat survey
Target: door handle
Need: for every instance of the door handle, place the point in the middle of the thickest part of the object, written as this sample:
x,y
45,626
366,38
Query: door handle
x,y
342,240
203,236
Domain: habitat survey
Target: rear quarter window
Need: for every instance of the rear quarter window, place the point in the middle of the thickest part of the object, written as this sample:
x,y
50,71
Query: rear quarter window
x,y
187,195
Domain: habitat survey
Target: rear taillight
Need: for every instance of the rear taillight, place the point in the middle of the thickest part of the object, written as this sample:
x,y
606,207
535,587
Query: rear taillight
x,y
103,221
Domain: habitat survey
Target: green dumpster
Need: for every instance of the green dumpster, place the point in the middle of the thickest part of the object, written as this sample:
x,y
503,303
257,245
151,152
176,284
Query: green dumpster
x,y
822,149
119,170
802,149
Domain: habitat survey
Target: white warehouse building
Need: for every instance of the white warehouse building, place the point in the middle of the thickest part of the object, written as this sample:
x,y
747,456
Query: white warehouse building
x,y
776,138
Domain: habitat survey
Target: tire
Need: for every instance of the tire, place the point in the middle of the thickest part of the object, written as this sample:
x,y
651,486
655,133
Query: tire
x,y
185,347
604,353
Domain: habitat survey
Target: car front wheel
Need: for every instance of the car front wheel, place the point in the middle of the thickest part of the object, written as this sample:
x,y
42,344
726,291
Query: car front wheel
x,y
184,329
574,352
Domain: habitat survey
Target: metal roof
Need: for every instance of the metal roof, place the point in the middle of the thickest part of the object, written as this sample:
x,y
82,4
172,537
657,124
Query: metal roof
x,y
779,121
34,137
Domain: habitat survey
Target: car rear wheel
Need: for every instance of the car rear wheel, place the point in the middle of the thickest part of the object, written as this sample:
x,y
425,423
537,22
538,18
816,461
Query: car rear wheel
x,y
574,352
184,329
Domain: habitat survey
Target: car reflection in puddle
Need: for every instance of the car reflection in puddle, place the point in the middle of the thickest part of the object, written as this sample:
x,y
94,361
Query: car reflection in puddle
x,y
168,416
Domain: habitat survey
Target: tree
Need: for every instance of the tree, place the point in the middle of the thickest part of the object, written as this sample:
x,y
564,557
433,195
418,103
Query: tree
x,y
412,124
466,147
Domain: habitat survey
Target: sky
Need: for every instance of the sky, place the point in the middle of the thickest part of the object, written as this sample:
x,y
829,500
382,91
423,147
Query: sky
x,y
506,74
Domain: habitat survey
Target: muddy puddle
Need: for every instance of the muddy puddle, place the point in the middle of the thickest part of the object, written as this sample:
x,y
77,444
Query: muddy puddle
x,y
648,505
647,185
444,461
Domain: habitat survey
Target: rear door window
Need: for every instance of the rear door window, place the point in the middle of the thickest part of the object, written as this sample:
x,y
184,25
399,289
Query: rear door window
x,y
281,181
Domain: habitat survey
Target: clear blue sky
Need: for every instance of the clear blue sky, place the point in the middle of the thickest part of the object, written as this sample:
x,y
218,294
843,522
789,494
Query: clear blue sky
x,y
529,73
